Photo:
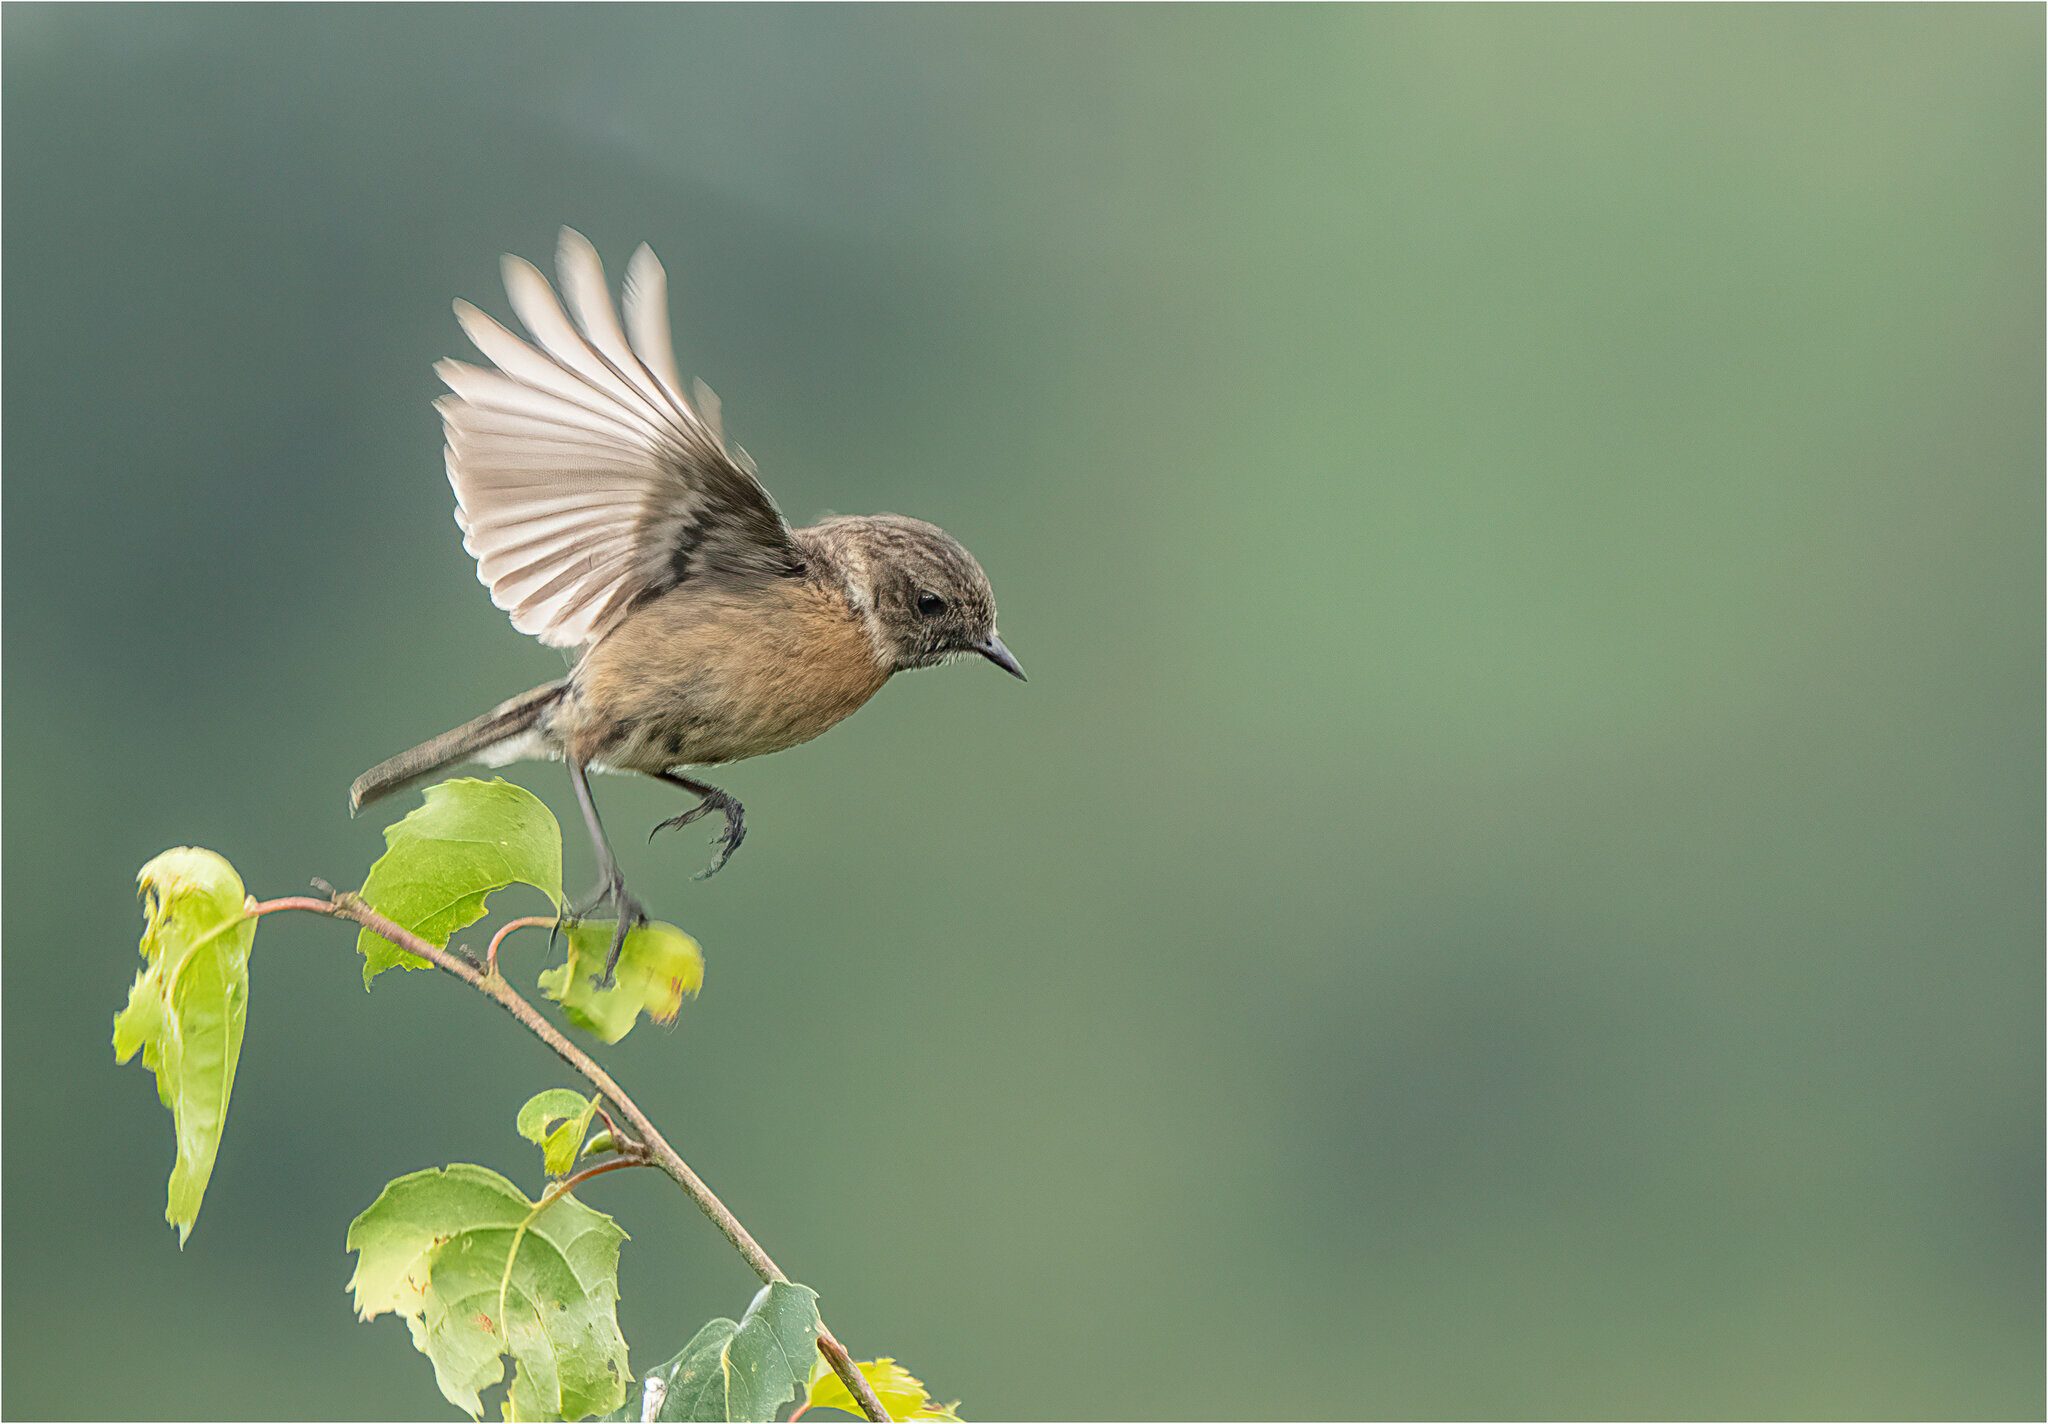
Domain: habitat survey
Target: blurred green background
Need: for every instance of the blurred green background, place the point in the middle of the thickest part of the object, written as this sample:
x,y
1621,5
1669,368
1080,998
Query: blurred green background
x,y
1515,888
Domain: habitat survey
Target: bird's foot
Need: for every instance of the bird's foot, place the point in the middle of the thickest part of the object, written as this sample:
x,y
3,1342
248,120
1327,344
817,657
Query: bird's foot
x,y
611,892
727,841
631,916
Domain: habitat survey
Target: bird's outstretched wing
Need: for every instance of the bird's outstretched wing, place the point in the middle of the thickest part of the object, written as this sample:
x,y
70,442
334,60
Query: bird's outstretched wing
x,y
584,480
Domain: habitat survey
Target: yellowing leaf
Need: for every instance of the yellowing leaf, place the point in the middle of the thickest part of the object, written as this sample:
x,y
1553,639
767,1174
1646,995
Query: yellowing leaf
x,y
442,862
187,1008
556,1121
901,1392
433,1249
659,967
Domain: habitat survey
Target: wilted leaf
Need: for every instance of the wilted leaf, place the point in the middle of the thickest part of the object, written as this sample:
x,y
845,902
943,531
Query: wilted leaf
x,y
658,968
902,1393
556,1121
739,1371
442,862
187,1008
433,1248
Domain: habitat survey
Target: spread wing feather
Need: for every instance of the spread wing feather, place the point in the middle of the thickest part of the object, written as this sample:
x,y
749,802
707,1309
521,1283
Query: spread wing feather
x,y
584,480
647,320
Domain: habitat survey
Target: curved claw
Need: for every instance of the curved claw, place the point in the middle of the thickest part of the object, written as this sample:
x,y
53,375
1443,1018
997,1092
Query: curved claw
x,y
676,823
630,917
575,911
583,909
735,832
727,841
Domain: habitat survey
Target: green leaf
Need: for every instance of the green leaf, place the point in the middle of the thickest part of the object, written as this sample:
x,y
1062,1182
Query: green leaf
x,y
433,1248
443,861
556,1120
187,1008
659,967
743,1371
902,1393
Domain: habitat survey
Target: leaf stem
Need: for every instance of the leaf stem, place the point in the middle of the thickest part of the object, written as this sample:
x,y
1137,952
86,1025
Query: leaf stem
x,y
622,1141
346,906
569,1184
547,1199
524,922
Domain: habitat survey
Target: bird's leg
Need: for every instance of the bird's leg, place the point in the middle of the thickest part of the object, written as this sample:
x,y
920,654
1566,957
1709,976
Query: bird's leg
x,y
612,884
710,799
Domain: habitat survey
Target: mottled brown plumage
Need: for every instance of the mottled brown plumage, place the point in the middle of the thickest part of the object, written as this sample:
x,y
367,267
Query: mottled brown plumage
x,y
607,514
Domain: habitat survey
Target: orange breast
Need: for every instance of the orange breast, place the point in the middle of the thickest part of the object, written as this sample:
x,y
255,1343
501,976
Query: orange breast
x,y
700,676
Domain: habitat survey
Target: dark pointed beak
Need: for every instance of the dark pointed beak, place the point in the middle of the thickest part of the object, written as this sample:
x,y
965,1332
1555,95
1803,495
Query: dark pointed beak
x,y
1002,657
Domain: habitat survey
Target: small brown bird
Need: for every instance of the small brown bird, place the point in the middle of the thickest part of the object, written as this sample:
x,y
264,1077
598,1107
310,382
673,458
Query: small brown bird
x,y
607,514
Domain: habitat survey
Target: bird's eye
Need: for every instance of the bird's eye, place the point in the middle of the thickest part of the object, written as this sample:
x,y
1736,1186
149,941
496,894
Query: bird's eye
x,y
930,605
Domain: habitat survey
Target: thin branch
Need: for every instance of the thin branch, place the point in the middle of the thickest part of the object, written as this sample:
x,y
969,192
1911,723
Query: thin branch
x,y
257,908
347,906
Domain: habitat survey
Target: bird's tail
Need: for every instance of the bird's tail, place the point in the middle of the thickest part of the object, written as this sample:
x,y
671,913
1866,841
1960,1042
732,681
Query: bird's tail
x,y
501,724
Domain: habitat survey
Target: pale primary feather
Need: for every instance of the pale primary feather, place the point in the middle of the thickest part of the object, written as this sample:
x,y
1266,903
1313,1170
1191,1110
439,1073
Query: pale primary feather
x,y
584,481
647,318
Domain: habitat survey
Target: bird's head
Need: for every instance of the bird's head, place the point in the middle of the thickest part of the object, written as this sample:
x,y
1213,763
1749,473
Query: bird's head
x,y
926,599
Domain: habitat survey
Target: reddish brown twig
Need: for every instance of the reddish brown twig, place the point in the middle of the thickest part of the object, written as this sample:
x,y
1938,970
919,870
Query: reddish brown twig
x,y
570,1184
523,922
